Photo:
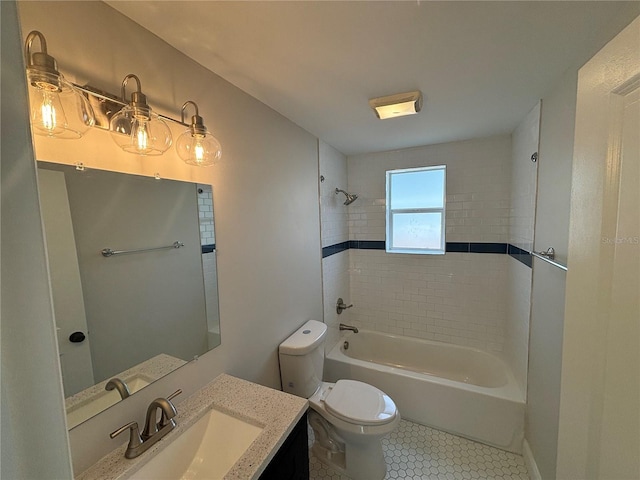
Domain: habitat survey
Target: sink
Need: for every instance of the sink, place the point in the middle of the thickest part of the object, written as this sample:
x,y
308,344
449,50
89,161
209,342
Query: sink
x,y
102,400
206,450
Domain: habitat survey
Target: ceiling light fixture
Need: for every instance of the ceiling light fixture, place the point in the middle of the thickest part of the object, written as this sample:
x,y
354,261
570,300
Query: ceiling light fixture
x,y
136,128
397,105
196,146
58,109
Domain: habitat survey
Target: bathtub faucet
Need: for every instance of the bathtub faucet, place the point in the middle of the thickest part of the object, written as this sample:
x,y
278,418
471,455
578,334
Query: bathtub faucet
x,y
348,327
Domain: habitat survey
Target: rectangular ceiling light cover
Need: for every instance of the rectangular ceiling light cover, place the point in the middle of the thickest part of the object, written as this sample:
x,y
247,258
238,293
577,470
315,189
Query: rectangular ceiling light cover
x,y
397,105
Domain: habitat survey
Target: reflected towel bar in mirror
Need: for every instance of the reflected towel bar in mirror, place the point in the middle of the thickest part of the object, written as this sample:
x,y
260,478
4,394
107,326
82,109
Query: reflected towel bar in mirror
x,y
107,252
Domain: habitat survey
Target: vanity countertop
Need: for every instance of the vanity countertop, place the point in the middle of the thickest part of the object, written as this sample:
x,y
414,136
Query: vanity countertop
x,y
277,412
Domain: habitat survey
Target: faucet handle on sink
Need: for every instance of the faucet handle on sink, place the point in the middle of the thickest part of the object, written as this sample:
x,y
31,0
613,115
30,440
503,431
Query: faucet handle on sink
x,y
174,394
135,440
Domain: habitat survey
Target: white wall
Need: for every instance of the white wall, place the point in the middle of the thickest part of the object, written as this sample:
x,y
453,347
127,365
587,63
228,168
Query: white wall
x,y
456,297
547,311
33,429
524,176
334,230
265,196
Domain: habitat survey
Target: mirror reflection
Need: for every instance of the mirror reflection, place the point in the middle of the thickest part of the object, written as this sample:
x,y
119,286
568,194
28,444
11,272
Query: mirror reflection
x,y
134,282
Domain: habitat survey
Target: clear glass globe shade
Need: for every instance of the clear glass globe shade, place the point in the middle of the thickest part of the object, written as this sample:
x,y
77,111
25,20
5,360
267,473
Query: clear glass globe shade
x,y
57,108
139,134
201,150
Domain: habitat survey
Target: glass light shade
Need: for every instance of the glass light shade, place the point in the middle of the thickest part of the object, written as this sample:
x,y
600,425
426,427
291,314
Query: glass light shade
x,y
141,133
57,108
198,149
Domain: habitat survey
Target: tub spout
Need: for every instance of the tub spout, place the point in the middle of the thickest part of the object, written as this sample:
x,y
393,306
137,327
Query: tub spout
x,y
348,327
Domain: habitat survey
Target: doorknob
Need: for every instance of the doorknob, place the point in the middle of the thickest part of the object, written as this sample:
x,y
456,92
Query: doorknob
x,y
77,337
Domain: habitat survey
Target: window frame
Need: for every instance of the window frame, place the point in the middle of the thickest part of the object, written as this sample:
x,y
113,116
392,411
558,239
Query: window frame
x,y
390,212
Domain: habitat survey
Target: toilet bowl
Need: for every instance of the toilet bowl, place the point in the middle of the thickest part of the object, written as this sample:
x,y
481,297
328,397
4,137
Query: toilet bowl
x,y
348,418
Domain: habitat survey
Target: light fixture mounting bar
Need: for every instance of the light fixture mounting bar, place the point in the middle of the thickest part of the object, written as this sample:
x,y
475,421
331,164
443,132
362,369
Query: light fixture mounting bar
x,y
112,99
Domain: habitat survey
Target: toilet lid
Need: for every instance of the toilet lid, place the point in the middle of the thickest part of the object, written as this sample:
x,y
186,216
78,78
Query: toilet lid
x,y
360,403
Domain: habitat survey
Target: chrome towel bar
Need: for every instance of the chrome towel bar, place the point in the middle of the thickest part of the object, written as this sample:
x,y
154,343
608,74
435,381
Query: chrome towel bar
x,y
107,252
549,257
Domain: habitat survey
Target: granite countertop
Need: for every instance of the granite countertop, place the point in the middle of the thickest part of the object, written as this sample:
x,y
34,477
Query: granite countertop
x,y
277,412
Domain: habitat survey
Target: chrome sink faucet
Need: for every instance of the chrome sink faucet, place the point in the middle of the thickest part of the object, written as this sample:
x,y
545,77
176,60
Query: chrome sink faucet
x,y
116,384
167,411
153,430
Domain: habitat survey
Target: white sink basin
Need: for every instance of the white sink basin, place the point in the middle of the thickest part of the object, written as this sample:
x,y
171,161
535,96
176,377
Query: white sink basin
x,y
102,400
207,450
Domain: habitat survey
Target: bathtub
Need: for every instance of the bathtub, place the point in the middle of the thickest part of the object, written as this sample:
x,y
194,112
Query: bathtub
x,y
457,389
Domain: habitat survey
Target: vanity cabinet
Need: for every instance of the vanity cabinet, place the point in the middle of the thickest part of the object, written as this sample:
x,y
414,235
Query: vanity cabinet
x,y
292,460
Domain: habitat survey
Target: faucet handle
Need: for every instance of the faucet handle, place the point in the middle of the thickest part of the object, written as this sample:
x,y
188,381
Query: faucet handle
x,y
135,440
340,306
174,394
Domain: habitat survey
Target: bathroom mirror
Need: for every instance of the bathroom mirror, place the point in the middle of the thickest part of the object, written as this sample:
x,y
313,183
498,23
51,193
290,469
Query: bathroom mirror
x,y
133,274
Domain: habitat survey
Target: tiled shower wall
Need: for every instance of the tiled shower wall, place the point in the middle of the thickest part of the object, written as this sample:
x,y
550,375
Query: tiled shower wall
x,y
334,231
205,212
475,299
457,297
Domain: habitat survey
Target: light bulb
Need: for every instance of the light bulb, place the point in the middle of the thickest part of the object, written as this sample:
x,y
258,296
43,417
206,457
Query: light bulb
x,y
136,128
196,146
57,114
139,135
58,109
142,136
48,113
200,150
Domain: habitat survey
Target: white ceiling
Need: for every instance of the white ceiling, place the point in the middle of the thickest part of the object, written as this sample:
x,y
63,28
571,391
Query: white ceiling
x,y
480,65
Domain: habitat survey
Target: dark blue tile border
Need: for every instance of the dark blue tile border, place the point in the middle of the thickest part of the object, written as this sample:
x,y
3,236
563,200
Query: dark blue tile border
x,y
488,248
209,248
457,247
333,249
521,255
452,247
367,244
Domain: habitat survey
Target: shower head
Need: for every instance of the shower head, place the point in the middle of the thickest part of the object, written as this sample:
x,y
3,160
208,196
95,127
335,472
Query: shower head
x,y
350,198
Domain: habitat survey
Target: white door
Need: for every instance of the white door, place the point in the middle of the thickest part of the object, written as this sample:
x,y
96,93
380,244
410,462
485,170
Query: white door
x,y
599,435
66,287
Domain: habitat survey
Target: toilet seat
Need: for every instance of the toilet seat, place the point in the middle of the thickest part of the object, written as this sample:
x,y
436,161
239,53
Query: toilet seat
x,y
360,403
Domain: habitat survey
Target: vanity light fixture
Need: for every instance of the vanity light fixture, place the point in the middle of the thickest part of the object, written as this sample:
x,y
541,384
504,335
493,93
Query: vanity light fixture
x,y
397,105
62,109
196,146
57,108
136,128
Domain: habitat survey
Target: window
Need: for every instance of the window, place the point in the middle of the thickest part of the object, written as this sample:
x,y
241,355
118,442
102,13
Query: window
x,y
415,210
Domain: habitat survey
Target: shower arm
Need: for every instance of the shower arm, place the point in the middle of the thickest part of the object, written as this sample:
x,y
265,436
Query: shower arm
x,y
350,197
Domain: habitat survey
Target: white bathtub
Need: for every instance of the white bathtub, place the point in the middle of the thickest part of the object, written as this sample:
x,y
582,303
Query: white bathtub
x,y
461,390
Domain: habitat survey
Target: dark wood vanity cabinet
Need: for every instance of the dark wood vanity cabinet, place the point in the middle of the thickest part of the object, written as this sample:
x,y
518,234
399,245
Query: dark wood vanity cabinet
x,y
292,460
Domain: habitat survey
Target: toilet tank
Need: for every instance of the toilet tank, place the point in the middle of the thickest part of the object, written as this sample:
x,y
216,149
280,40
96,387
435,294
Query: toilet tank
x,y
302,359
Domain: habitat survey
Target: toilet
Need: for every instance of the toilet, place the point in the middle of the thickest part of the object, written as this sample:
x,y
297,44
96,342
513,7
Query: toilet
x,y
348,418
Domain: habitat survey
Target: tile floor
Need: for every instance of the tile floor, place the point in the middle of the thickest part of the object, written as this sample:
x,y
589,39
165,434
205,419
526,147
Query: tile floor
x,y
417,452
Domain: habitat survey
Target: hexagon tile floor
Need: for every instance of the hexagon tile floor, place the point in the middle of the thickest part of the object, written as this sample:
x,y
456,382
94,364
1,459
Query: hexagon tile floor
x,y
417,452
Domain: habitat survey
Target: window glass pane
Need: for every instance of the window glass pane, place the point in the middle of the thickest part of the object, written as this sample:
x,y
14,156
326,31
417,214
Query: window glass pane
x,y
417,189
417,230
